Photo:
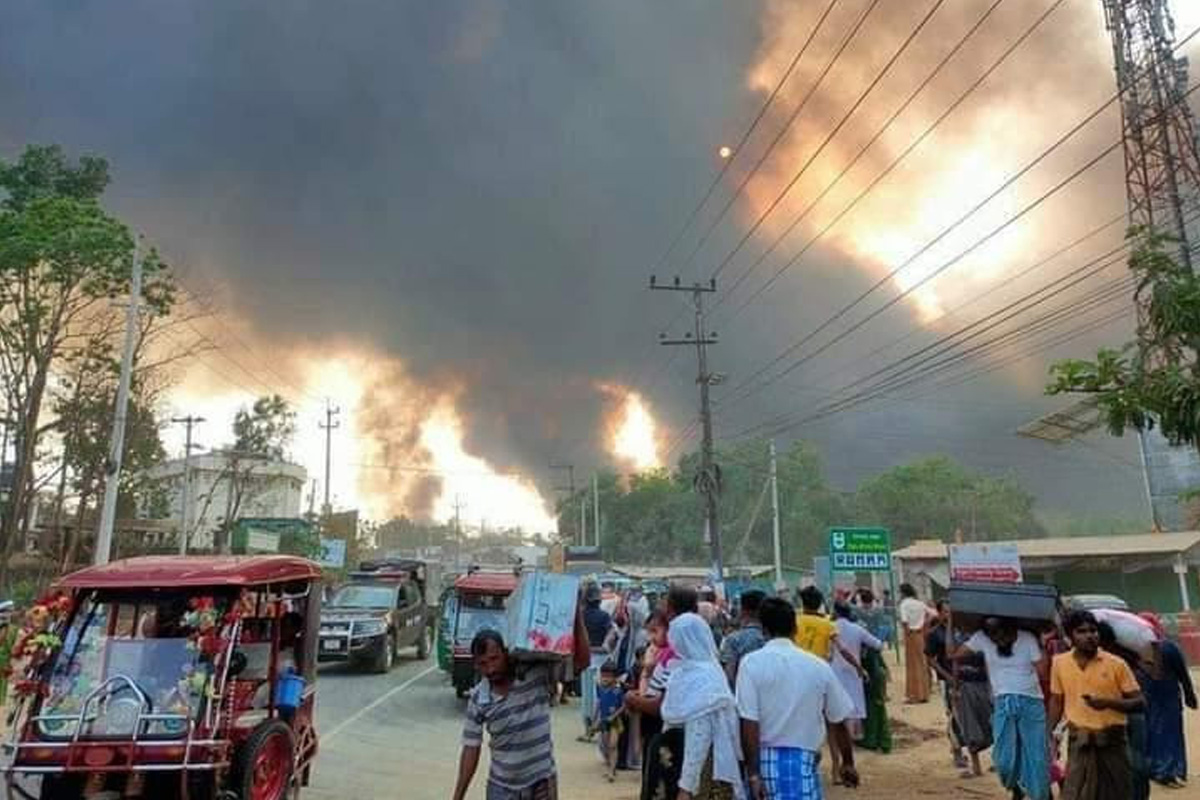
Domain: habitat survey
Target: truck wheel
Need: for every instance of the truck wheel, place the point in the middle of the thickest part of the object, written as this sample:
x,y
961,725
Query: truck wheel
x,y
386,655
423,643
264,764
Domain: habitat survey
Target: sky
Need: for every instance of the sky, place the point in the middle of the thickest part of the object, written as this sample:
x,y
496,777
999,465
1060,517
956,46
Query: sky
x,y
441,218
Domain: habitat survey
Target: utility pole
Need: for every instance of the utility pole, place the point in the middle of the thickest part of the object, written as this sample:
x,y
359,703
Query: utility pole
x,y
569,489
775,521
116,449
188,422
583,518
708,480
596,508
458,507
328,426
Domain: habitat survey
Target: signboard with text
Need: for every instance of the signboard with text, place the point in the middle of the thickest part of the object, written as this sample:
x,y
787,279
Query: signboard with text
x,y
985,563
333,553
860,549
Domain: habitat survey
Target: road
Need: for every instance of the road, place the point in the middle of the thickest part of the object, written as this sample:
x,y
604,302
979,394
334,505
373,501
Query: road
x,y
397,735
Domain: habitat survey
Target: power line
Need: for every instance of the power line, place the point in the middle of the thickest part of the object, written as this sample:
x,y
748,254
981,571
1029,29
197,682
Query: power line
x,y
779,136
1042,347
1055,288
875,138
909,290
261,360
989,292
945,232
720,176
745,138
831,135
1113,290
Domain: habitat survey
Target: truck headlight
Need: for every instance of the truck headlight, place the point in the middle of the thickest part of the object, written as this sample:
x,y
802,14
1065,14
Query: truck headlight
x,y
369,627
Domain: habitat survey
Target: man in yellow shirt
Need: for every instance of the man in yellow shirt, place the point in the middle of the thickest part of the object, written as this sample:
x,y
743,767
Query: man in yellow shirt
x,y
1094,690
815,632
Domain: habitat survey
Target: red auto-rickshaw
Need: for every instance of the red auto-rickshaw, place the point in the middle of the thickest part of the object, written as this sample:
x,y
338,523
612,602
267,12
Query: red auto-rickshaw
x,y
478,603
170,677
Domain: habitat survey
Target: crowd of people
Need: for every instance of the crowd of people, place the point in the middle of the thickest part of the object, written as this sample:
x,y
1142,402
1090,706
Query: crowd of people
x,y
701,703
1033,698
772,700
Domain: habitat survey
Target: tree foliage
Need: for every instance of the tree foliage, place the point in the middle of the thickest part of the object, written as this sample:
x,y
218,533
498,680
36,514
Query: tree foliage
x,y
1155,379
261,433
655,517
63,260
934,497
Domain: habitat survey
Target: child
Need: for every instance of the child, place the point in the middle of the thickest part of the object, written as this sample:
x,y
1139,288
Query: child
x,y
608,719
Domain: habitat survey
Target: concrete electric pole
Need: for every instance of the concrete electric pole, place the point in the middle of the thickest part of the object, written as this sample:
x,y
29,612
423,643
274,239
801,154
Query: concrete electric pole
x,y
116,447
458,508
185,503
328,426
708,480
775,520
596,509
569,490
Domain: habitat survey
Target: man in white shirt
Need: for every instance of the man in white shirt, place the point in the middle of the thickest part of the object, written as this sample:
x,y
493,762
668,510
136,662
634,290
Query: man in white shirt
x,y
1015,664
787,700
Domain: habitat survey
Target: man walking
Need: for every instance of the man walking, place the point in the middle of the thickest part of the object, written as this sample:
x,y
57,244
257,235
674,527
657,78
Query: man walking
x,y
1094,690
815,632
747,638
913,617
787,699
514,709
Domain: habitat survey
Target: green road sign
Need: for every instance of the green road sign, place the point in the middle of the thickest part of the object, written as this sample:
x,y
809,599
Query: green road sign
x,y
860,549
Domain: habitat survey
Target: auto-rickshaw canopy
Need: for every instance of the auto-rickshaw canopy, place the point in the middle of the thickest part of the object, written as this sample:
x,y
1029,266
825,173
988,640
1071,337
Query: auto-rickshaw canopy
x,y
160,572
502,583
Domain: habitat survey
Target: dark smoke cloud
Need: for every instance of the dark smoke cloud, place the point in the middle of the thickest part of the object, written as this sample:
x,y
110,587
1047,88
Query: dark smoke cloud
x,y
479,187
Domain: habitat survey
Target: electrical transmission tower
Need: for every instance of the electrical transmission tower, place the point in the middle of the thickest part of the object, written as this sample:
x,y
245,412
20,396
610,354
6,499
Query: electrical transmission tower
x,y
1162,184
1162,159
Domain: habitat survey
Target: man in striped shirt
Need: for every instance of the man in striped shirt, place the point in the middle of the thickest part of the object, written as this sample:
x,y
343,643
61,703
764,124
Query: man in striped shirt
x,y
515,711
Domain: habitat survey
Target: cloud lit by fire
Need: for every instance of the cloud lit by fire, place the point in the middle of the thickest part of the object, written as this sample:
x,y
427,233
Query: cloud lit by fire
x,y
1007,120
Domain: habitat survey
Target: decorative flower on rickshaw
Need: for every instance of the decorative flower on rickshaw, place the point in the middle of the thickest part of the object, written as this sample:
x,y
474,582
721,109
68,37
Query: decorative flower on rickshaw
x,y
39,639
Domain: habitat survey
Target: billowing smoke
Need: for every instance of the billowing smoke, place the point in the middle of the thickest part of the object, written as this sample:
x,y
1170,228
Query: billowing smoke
x,y
478,189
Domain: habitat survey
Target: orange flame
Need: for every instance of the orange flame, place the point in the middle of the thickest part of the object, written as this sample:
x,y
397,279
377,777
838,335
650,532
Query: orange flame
x,y
632,431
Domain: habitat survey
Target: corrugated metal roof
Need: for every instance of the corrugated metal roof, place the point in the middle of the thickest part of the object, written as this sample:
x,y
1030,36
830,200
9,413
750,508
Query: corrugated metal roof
x,y
1073,546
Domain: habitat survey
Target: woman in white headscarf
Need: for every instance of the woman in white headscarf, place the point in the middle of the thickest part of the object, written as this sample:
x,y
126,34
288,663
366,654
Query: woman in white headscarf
x,y
698,699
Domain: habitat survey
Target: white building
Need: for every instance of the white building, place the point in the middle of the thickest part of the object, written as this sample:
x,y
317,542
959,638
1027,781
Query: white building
x,y
272,489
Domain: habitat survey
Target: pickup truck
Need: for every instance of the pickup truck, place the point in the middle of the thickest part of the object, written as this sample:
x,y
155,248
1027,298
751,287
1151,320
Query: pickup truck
x,y
376,613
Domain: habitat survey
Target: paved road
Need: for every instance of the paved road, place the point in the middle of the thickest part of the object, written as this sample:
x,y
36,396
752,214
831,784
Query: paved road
x,y
397,736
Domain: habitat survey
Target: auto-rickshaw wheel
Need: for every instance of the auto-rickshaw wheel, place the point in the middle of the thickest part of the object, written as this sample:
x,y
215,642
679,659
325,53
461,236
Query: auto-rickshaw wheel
x,y
265,763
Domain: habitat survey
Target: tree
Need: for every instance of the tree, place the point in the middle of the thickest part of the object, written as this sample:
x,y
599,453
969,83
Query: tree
x,y
260,433
935,496
655,517
62,261
1155,379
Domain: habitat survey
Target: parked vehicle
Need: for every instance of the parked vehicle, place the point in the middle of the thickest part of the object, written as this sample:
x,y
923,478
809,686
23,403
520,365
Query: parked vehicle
x,y
171,677
1090,602
379,611
478,603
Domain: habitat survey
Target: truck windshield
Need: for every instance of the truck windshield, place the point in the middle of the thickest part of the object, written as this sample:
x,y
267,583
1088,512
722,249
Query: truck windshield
x,y
142,648
364,596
